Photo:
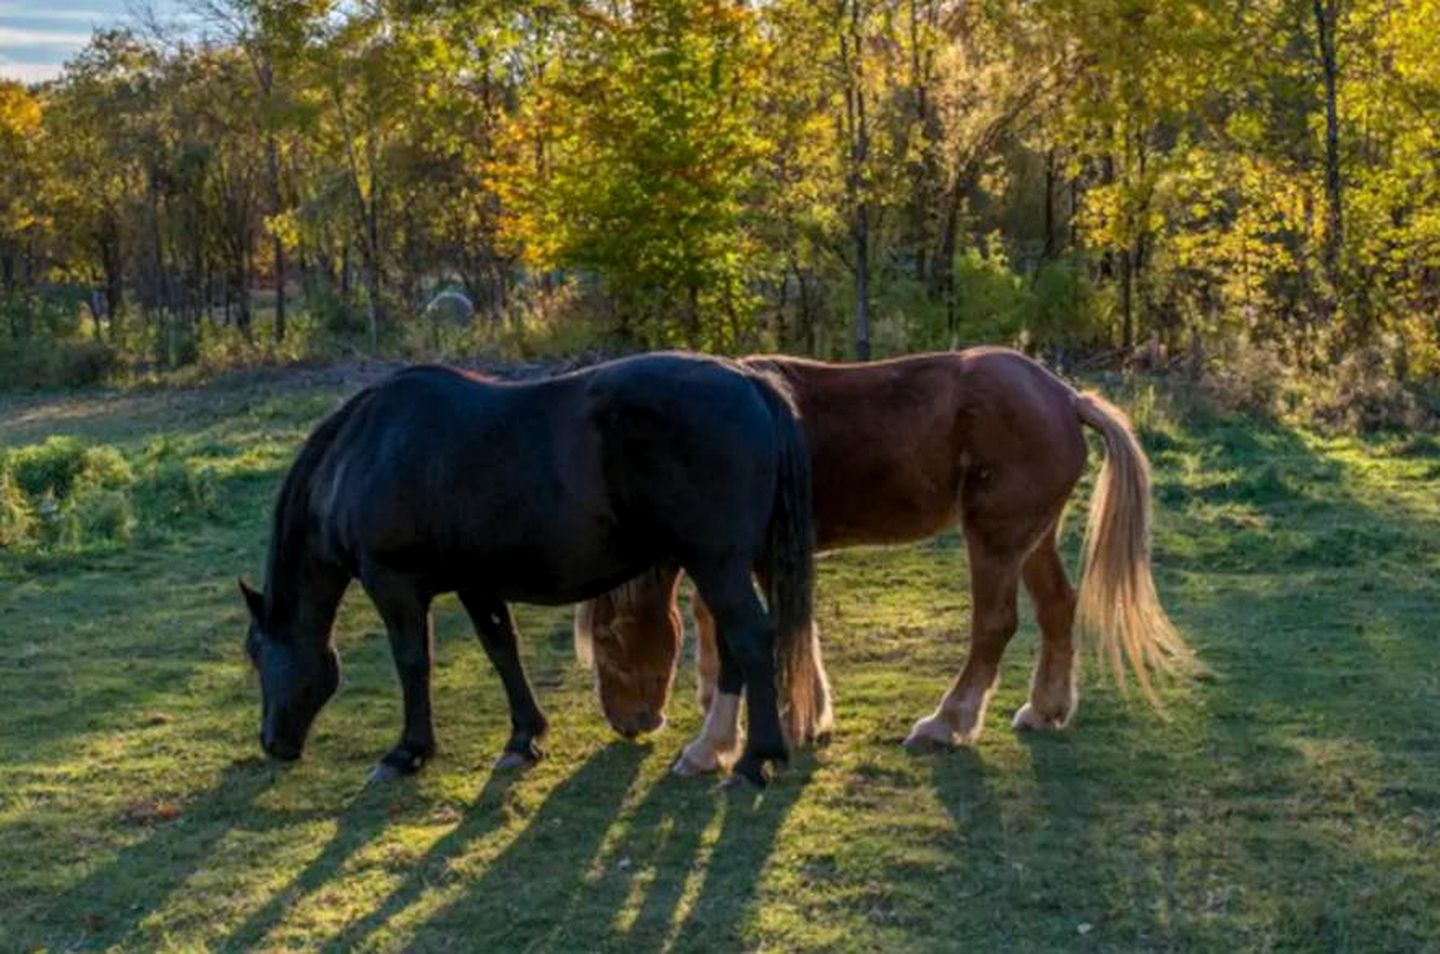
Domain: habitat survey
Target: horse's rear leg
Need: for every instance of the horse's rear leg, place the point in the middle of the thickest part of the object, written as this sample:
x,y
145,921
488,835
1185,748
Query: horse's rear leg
x,y
707,664
1053,695
994,581
496,629
406,612
747,660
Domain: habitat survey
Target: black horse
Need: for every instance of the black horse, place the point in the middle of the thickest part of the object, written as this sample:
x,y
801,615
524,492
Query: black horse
x,y
553,491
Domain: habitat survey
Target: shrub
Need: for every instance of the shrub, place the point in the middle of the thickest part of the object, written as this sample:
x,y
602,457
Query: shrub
x,y
67,495
18,522
46,363
172,485
96,515
1250,379
60,464
1363,394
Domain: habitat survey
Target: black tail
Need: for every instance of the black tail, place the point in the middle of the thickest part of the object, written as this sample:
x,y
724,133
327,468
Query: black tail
x,y
789,559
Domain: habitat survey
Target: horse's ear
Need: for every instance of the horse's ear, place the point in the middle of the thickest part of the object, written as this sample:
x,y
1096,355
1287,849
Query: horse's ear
x,y
253,599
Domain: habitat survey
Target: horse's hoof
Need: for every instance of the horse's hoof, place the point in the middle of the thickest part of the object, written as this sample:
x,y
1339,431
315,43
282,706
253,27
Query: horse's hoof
x,y
383,772
685,767
930,735
752,770
514,761
1028,718
729,783
398,762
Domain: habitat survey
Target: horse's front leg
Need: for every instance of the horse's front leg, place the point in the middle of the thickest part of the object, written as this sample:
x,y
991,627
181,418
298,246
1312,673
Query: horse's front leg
x,y
746,639
707,654
719,740
707,665
405,608
496,629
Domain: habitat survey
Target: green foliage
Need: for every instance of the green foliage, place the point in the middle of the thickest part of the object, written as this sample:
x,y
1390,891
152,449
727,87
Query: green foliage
x,y
173,484
17,514
65,494
991,304
62,465
1078,174
653,151
40,363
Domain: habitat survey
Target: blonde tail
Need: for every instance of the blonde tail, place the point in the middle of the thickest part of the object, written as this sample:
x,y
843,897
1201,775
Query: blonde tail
x,y
1118,609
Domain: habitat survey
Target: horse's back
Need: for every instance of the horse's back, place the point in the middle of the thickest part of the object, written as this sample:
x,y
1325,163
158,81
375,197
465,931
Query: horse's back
x,y
450,474
676,434
547,489
895,442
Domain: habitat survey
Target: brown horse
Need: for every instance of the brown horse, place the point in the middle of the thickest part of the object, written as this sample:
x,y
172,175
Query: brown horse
x,y
903,450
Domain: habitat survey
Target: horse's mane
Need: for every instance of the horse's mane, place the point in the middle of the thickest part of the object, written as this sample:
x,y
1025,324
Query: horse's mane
x,y
292,508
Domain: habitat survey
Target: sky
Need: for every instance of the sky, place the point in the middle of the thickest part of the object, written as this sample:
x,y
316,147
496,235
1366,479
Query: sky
x,y
37,37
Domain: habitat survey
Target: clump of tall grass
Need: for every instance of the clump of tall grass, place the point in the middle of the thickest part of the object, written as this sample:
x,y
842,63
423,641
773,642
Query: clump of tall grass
x,y
64,494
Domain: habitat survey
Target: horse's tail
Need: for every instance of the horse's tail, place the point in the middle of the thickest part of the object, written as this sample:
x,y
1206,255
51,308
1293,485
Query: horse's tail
x,y
789,559
1118,608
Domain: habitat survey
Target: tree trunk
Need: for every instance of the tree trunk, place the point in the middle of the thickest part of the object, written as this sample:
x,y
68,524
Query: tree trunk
x,y
942,274
1127,316
852,58
862,283
371,256
279,251
1326,20
272,162
1049,250
807,317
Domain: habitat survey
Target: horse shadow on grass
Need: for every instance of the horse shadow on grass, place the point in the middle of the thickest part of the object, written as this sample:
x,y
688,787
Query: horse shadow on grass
x,y
597,868
728,877
109,905
518,891
362,822
1219,829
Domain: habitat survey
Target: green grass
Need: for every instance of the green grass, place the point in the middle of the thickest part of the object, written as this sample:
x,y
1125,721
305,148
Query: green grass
x,y
1290,801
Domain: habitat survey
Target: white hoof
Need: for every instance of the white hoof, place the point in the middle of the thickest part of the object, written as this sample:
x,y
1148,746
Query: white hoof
x,y
696,759
1029,718
932,734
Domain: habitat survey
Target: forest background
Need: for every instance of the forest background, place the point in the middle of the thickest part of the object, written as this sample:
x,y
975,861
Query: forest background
x,y
1249,191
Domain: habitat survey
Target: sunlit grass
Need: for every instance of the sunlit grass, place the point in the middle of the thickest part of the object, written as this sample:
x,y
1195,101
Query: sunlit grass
x,y
1291,799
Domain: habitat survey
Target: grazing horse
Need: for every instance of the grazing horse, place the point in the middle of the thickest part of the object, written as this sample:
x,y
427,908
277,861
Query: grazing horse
x,y
903,450
547,492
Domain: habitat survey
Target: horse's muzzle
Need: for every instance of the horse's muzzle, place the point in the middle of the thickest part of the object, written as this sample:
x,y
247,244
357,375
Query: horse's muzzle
x,y
641,724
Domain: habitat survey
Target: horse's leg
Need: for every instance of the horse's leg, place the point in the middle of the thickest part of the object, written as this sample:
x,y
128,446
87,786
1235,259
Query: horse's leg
x,y
994,580
825,717
1053,695
820,689
707,655
496,629
719,739
406,612
748,635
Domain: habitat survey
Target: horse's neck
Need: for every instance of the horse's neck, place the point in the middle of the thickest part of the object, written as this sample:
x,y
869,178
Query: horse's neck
x,y
303,595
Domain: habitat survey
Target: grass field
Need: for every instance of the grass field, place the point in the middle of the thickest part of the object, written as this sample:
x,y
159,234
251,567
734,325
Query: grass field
x,y
1290,801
